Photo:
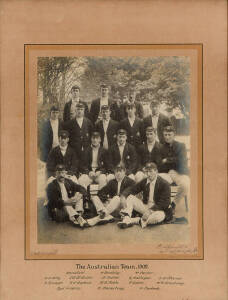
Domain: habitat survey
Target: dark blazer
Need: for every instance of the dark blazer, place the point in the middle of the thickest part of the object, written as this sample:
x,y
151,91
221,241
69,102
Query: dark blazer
x,y
54,194
95,109
134,133
70,161
129,158
46,139
163,121
117,112
138,112
113,126
162,192
86,165
176,156
79,138
111,188
145,156
67,107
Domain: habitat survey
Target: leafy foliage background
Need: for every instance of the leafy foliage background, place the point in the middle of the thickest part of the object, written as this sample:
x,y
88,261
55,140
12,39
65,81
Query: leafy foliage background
x,y
166,79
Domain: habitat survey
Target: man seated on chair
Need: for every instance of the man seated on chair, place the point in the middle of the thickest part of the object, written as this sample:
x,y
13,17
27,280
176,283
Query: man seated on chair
x,y
63,200
154,208
174,164
65,155
107,200
148,152
123,152
94,164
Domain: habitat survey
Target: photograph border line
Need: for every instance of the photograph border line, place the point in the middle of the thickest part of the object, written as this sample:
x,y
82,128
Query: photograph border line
x,y
200,254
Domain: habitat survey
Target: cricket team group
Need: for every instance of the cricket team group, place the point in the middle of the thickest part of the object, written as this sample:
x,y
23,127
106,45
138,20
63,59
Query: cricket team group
x,y
114,159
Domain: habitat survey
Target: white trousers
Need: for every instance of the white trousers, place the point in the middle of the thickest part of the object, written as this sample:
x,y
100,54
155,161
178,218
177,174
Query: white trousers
x,y
137,204
182,182
108,207
74,211
84,180
102,180
112,176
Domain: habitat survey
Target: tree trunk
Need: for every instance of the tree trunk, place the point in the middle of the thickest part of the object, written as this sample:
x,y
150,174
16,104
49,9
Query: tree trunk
x,y
62,89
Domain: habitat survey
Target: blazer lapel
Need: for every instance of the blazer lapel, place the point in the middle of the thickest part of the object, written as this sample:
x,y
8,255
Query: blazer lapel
x,y
77,123
147,191
83,124
108,126
156,188
160,120
125,151
59,152
115,187
128,124
117,151
90,156
135,123
50,129
57,187
67,152
99,161
122,186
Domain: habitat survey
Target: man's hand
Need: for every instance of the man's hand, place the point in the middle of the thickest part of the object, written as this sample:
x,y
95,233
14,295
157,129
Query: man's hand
x,y
76,197
92,174
98,173
69,202
123,202
164,160
146,215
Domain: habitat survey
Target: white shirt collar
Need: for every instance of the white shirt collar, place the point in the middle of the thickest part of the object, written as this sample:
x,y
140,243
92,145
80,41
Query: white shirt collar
x,y
79,119
75,100
152,182
106,121
54,121
151,144
95,148
131,120
121,145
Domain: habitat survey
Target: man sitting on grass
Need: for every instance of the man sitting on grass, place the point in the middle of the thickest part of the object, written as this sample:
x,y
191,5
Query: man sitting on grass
x,y
108,199
155,207
62,199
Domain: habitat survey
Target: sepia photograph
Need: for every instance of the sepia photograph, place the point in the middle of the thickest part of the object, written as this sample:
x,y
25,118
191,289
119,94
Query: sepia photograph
x,y
113,149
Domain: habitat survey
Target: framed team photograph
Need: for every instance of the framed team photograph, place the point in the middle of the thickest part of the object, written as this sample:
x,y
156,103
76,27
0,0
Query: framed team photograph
x,y
113,151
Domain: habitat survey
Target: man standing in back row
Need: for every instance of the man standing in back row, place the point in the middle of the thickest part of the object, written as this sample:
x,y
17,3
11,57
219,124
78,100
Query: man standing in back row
x,y
71,105
80,129
138,105
157,120
50,133
95,110
133,126
107,128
